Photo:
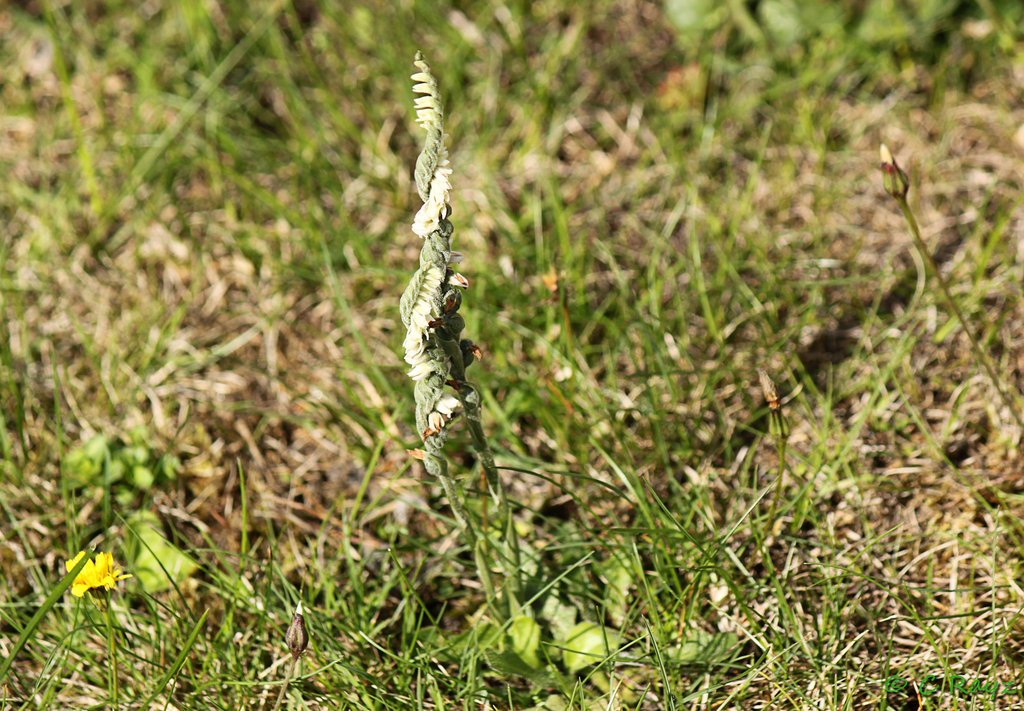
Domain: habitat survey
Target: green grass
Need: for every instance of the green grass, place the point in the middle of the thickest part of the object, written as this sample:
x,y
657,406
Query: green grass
x,y
206,214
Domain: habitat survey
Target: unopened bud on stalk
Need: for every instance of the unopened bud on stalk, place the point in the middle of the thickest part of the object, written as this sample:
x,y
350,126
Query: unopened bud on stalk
x,y
894,179
771,395
297,637
777,424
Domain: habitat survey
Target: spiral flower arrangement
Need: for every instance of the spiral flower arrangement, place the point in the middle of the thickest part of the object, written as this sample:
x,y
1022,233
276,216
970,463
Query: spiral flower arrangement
x,y
435,350
429,306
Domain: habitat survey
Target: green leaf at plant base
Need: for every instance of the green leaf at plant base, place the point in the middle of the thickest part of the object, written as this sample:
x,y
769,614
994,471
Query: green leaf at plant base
x,y
619,579
561,618
554,702
781,21
587,643
703,647
695,17
508,663
513,651
524,638
156,561
486,635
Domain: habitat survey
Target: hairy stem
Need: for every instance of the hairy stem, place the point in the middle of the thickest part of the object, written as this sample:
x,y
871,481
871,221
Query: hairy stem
x,y
470,399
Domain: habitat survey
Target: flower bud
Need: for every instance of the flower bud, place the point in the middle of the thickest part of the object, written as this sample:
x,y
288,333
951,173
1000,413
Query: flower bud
x,y
894,179
296,637
771,395
436,421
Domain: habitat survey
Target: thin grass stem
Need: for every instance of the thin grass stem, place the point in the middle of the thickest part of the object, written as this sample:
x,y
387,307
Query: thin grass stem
x,y
897,184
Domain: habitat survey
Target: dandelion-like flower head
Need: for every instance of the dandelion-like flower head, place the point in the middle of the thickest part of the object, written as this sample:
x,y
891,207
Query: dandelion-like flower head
x,y
100,572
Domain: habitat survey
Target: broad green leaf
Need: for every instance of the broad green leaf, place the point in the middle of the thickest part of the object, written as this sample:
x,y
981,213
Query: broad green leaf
x,y
704,647
560,617
554,702
693,17
509,663
156,562
781,21
524,635
587,643
619,578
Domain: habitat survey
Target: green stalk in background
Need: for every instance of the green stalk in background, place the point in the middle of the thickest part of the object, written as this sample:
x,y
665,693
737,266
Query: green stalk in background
x,y
779,430
897,184
436,351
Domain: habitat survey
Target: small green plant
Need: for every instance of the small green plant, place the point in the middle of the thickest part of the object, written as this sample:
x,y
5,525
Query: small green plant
x,y
124,466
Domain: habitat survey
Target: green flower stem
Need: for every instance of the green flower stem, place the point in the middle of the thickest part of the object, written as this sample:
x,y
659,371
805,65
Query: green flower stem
x,y
437,465
509,536
112,648
933,269
287,680
469,396
779,429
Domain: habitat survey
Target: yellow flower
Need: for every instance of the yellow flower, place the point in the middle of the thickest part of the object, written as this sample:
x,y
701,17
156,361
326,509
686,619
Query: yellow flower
x,y
99,573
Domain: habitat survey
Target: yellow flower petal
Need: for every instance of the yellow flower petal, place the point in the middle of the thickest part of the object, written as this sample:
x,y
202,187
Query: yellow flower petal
x,y
101,572
74,561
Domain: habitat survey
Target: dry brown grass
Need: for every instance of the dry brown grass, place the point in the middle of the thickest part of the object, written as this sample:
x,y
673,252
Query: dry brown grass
x,y
200,311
